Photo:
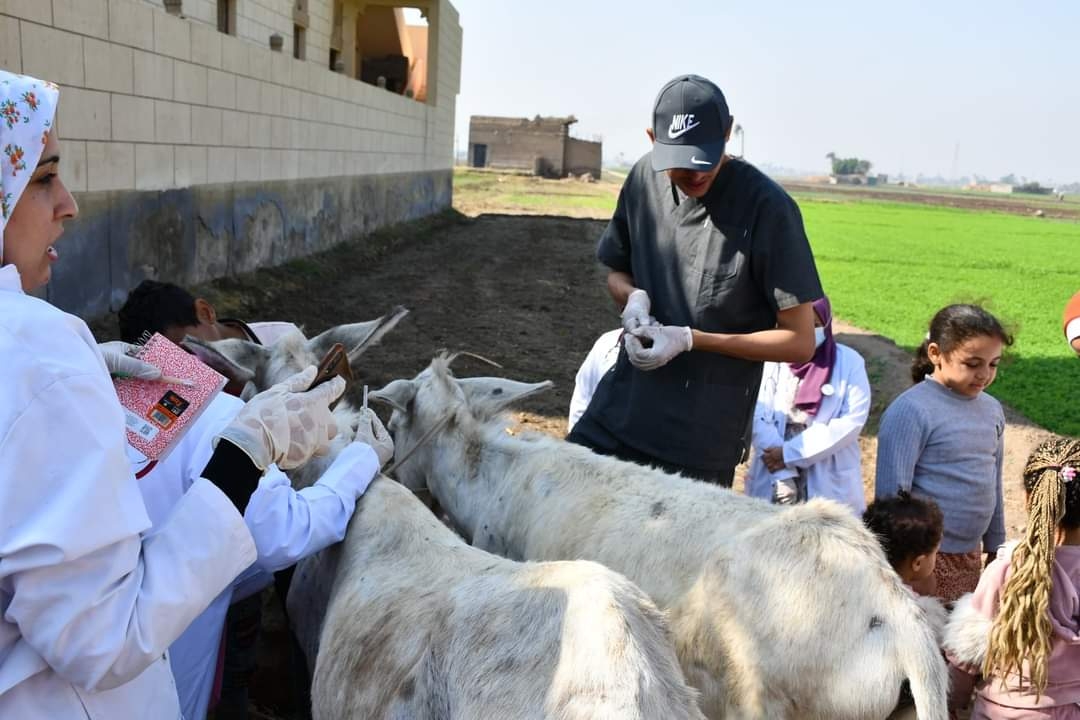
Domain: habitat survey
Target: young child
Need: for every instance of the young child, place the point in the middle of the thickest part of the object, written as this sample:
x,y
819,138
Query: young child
x,y
807,421
1016,640
942,440
909,530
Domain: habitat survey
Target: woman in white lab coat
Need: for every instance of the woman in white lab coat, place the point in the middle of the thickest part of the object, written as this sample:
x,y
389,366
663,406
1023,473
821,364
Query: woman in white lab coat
x,y
88,605
807,423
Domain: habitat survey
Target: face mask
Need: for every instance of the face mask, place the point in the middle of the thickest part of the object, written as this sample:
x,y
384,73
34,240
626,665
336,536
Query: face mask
x,y
819,336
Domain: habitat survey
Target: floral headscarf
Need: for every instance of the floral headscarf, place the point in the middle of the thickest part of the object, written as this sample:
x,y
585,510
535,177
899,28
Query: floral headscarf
x,y
27,109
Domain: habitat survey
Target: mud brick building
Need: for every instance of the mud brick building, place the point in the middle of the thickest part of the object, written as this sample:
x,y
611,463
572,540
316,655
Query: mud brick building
x,y
205,138
542,146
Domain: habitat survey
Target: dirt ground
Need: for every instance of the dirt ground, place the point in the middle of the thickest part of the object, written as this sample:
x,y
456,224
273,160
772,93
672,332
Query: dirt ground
x,y
522,290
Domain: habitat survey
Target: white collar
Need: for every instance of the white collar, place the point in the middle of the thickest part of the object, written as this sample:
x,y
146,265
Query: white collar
x,y
10,279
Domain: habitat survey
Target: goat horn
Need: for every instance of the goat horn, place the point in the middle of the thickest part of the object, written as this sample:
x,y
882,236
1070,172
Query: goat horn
x,y
454,356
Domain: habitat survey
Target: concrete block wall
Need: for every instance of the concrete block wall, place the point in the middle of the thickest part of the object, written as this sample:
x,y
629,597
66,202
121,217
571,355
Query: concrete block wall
x,y
152,103
257,20
535,145
517,143
583,156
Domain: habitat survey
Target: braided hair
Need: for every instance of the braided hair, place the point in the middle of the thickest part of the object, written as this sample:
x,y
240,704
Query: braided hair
x,y
1022,630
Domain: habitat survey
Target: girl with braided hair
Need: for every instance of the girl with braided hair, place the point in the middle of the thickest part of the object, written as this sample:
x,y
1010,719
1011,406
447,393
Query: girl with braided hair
x,y
1016,639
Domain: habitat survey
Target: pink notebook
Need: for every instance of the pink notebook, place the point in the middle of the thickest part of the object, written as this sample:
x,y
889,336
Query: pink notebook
x,y
157,413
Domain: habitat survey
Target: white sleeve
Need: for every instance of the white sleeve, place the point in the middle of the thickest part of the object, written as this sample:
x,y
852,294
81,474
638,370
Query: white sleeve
x,y
93,598
289,525
820,440
584,385
270,332
1072,330
765,434
590,373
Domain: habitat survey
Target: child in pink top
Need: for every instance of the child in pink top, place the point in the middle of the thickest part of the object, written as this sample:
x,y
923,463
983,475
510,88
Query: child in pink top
x,y
1016,639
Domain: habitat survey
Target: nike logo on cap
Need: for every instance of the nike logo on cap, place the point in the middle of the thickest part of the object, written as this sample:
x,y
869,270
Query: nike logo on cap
x,y
681,123
693,159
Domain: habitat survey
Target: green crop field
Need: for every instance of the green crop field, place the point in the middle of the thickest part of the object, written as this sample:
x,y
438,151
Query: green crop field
x,y
889,266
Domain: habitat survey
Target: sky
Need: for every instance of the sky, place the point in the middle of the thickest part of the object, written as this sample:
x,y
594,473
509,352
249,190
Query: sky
x,y
950,88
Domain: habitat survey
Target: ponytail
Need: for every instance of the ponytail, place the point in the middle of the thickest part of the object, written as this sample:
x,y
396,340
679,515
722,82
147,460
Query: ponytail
x,y
1022,630
921,365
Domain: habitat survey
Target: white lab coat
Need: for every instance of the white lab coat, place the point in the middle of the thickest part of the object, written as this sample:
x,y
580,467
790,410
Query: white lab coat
x,y
601,358
829,447
88,605
286,525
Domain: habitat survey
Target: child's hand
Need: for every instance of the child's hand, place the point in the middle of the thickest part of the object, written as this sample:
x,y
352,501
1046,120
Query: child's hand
x,y
774,458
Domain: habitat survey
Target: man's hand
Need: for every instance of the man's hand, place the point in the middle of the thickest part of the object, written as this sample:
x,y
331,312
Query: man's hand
x,y
636,312
774,458
665,342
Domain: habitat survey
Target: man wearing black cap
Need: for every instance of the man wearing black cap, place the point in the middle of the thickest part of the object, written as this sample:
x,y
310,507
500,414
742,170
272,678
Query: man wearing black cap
x,y
709,259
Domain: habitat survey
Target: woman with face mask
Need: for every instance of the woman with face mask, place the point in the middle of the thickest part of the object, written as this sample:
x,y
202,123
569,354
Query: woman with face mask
x,y
807,423
89,600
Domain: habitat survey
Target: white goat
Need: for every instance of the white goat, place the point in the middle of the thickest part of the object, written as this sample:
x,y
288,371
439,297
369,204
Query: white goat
x,y
419,625
777,613
257,367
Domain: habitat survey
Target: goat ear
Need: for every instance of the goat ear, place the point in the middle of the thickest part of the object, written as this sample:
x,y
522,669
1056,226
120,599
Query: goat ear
x,y
237,360
489,395
357,337
399,395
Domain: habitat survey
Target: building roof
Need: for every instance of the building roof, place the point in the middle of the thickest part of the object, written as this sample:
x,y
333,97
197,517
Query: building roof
x,y
512,121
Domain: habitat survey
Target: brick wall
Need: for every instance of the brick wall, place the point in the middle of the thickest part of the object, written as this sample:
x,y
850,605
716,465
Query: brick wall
x,y
517,143
583,156
151,102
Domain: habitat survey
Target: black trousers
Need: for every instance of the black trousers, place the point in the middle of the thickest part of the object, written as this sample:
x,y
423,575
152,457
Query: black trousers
x,y
594,436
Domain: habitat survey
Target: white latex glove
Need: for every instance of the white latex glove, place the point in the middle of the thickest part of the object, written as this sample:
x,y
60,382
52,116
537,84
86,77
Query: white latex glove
x,y
785,492
120,362
286,424
636,312
371,432
667,342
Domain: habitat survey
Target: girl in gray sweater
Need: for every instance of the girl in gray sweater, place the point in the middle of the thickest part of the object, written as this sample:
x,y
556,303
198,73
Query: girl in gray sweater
x,y
942,440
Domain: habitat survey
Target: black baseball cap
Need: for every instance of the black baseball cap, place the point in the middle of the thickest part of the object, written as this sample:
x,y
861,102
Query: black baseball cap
x,y
690,122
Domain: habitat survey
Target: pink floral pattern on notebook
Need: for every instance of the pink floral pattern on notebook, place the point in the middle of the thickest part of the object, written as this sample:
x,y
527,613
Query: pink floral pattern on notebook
x,y
158,413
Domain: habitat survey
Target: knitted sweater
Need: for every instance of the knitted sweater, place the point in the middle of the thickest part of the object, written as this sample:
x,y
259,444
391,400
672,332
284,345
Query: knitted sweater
x,y
947,447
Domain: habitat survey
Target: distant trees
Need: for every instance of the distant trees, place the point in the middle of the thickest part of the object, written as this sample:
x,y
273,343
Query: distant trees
x,y
1034,188
849,166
